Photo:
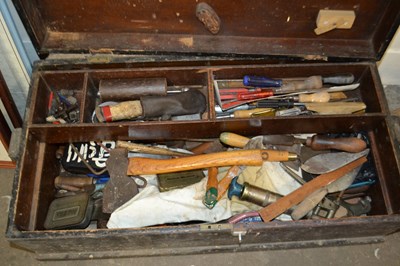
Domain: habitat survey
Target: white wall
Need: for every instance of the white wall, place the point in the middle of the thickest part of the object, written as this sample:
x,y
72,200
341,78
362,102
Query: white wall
x,y
389,66
3,154
12,68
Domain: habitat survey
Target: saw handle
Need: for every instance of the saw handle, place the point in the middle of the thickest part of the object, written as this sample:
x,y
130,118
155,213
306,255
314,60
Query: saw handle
x,y
351,144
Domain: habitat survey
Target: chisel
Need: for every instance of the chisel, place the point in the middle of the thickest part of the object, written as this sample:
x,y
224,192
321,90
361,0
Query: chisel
x,y
316,142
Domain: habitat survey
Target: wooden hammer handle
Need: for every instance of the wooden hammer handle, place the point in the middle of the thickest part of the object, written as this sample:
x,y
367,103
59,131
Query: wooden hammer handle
x,y
145,166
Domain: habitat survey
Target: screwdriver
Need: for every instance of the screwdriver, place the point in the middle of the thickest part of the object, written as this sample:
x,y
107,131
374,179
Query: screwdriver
x,y
243,96
327,108
316,142
254,112
312,82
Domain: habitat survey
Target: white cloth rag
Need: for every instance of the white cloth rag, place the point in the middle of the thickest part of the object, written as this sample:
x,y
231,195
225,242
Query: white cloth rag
x,y
150,207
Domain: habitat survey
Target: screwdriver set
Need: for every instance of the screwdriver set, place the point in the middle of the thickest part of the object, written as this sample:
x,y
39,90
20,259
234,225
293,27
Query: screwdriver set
x,y
263,96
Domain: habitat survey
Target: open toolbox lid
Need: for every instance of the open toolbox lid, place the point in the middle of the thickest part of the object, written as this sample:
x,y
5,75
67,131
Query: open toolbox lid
x,y
252,27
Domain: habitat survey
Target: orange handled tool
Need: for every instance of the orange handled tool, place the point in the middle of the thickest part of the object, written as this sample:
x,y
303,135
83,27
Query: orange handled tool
x,y
210,199
144,166
254,95
223,185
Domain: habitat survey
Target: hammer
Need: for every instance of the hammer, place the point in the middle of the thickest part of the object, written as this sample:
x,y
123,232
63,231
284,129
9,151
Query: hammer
x,y
145,166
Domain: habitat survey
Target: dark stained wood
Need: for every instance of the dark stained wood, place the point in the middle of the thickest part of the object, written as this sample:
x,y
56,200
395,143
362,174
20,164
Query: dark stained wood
x,y
5,132
12,112
195,239
9,103
31,16
254,27
73,42
204,129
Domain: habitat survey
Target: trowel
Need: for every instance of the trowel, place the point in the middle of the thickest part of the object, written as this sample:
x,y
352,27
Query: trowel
x,y
327,162
313,199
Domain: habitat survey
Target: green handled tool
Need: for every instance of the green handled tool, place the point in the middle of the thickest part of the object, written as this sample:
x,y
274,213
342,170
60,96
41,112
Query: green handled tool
x,y
211,197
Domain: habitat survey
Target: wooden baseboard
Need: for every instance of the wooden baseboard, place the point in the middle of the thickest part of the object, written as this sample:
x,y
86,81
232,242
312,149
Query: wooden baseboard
x,y
7,164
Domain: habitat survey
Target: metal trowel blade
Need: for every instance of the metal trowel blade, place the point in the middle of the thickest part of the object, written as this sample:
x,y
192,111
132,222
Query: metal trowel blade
x,y
327,162
344,182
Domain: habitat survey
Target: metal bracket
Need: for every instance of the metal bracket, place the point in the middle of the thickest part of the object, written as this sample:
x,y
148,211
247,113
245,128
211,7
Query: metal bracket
x,y
236,230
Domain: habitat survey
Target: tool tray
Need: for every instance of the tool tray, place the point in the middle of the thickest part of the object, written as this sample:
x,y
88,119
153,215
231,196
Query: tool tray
x,y
95,40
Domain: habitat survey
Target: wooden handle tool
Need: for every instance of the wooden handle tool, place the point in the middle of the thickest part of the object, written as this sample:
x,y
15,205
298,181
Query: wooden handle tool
x,y
336,108
210,198
135,147
233,139
144,166
350,144
316,142
120,111
254,112
283,204
223,185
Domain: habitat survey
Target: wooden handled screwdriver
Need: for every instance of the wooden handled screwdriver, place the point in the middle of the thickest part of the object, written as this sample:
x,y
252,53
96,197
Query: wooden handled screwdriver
x,y
312,82
315,142
146,166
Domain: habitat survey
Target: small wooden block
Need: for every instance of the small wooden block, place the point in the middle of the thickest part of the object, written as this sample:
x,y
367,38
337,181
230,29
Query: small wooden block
x,y
328,20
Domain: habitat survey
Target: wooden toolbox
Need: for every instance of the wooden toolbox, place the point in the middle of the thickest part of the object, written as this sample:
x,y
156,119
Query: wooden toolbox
x,y
84,42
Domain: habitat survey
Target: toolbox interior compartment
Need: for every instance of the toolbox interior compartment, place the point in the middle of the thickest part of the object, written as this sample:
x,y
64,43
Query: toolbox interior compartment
x,y
51,83
39,165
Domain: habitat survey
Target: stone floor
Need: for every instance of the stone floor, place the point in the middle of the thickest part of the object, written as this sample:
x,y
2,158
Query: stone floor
x,y
385,253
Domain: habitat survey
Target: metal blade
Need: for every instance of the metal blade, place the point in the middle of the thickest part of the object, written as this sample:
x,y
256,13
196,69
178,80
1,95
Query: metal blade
x,y
327,162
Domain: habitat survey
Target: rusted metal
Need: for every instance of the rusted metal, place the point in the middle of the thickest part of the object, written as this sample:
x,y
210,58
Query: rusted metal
x,y
207,15
120,188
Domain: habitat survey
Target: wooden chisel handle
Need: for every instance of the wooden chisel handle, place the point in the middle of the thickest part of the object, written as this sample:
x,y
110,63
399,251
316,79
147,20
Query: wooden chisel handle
x,y
145,166
336,108
254,112
316,142
120,111
351,144
223,185
233,140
